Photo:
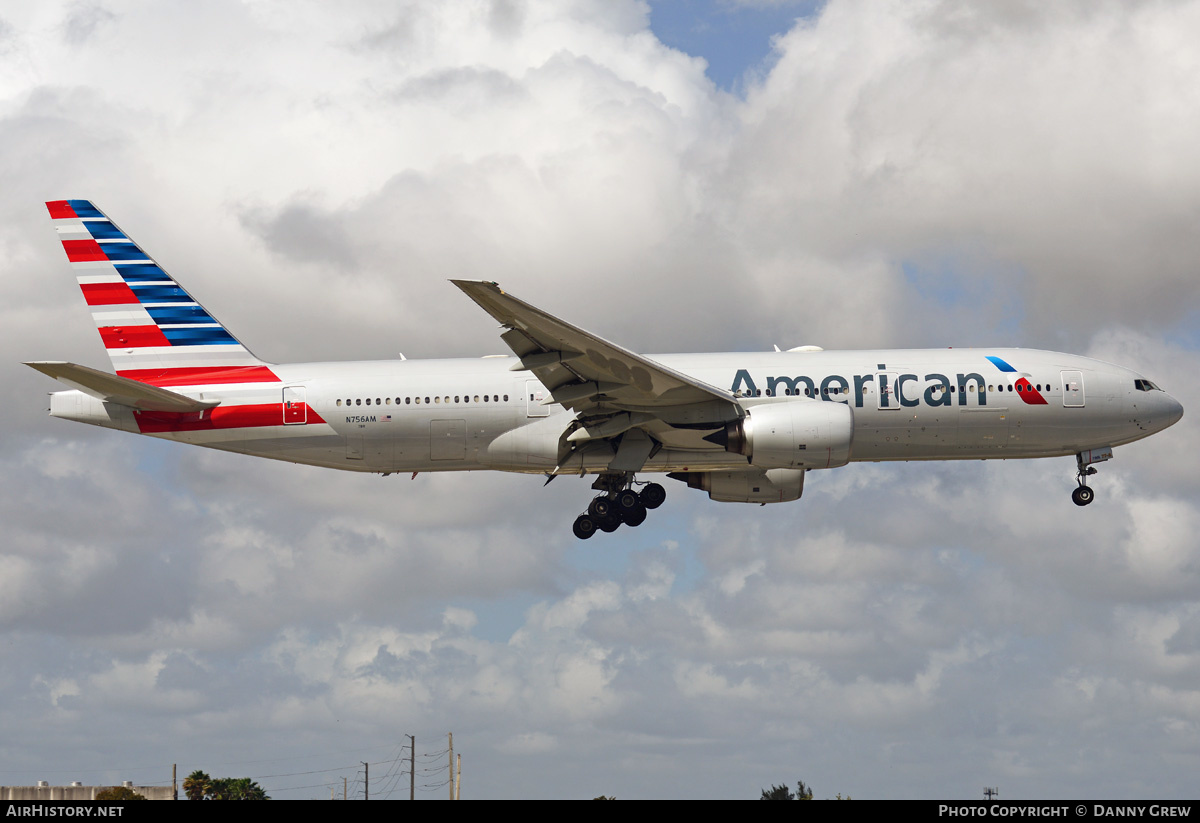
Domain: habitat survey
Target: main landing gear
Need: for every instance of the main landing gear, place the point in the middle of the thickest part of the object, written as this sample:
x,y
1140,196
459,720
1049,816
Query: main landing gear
x,y
617,503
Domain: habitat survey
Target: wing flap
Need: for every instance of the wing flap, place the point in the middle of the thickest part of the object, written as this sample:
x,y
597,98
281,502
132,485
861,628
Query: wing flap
x,y
120,390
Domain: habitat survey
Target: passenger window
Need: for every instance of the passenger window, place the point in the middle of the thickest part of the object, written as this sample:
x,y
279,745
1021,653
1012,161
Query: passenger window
x,y
408,401
477,398
427,401
339,402
505,398
455,398
437,400
358,402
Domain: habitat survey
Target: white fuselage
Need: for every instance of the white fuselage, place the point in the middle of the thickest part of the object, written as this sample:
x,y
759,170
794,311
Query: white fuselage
x,y
472,414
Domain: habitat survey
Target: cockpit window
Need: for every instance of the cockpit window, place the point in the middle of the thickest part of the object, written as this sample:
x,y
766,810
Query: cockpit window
x,y
1145,385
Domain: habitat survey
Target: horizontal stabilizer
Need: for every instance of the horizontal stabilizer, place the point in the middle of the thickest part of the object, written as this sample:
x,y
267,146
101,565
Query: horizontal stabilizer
x,y
120,390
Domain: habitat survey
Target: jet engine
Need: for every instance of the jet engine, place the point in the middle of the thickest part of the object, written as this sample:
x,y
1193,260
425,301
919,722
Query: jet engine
x,y
798,434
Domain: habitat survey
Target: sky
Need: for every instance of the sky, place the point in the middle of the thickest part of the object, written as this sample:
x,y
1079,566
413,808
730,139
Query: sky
x,y
674,177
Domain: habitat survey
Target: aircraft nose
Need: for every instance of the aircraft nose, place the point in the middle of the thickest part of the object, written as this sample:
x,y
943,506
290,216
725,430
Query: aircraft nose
x,y
1174,410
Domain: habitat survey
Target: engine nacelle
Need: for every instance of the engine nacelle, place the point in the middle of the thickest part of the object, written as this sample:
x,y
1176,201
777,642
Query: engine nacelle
x,y
748,485
799,434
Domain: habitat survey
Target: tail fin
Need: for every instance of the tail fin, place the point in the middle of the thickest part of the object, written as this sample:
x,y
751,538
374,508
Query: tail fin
x,y
155,332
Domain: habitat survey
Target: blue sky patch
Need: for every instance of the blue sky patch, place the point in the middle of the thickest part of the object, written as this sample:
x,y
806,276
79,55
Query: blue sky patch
x,y
732,37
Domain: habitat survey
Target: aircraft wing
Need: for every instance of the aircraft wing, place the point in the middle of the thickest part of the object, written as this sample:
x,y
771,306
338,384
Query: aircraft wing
x,y
611,388
120,390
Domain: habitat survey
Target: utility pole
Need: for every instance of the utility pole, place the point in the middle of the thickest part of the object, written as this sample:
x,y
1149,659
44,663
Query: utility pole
x,y
366,780
345,796
451,764
458,781
989,792
412,767
174,785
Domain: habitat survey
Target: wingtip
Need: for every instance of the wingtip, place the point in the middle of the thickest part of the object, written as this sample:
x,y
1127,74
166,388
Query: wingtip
x,y
42,365
470,285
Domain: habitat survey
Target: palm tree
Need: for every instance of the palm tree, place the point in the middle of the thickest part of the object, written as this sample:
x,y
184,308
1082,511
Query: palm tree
x,y
237,788
197,785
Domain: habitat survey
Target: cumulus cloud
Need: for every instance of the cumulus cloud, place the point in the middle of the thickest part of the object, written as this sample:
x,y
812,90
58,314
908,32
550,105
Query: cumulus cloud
x,y
918,173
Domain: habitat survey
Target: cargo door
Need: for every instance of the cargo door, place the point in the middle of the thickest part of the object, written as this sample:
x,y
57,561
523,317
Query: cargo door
x,y
447,439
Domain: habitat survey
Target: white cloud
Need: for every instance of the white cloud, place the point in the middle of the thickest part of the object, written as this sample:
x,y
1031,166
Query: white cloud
x,y
905,173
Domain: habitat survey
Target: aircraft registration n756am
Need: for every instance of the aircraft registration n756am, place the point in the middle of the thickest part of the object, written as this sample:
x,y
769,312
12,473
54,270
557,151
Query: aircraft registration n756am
x,y
744,427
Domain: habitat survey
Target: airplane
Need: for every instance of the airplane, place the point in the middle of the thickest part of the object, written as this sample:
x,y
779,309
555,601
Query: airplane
x,y
743,427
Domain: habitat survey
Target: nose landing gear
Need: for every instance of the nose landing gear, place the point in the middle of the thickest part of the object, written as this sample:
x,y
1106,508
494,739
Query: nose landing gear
x,y
617,503
1084,460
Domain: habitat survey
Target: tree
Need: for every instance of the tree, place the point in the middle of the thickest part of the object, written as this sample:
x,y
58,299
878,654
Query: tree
x,y
196,785
782,792
118,794
199,786
236,788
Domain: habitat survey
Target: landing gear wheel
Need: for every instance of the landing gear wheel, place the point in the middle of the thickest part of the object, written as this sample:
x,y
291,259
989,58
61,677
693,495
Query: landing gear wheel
x,y
610,523
627,501
601,507
637,516
584,526
1083,495
653,495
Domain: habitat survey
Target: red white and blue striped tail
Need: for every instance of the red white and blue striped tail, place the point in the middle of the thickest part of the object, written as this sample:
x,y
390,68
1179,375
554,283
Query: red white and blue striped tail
x,y
153,329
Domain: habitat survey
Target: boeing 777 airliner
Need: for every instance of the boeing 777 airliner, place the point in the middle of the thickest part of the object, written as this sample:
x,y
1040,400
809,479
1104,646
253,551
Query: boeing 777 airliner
x,y
743,427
